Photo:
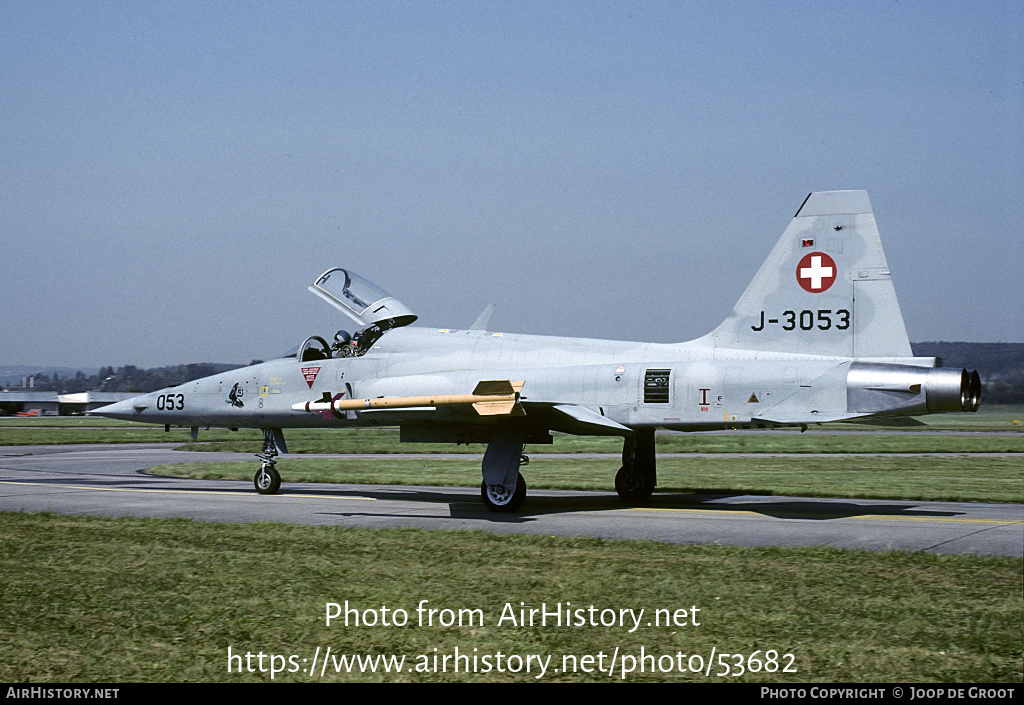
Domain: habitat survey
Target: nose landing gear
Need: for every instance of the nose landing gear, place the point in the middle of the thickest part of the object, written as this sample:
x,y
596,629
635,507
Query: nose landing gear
x,y
267,479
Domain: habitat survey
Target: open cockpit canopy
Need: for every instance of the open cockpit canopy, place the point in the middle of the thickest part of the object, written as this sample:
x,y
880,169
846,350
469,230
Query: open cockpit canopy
x,y
360,299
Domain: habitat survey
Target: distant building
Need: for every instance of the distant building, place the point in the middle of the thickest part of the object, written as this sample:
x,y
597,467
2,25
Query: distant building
x,y
54,404
36,403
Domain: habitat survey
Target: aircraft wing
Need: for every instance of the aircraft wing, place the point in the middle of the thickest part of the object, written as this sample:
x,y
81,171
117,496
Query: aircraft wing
x,y
489,398
579,420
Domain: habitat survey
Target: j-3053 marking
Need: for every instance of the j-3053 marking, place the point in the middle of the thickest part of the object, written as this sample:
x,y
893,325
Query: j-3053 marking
x,y
807,319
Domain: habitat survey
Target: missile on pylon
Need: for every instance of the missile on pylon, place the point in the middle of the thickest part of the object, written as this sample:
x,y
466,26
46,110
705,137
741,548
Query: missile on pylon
x,y
496,397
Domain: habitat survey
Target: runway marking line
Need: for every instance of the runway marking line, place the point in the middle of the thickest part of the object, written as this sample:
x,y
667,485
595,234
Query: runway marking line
x,y
170,491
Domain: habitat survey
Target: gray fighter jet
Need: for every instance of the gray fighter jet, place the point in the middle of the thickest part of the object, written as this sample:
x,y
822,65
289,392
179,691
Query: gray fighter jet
x,y
817,336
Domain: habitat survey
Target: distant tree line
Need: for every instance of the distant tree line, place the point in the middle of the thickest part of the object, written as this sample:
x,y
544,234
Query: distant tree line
x,y
128,378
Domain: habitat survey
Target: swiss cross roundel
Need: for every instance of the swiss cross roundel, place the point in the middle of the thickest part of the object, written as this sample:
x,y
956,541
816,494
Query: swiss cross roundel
x,y
816,272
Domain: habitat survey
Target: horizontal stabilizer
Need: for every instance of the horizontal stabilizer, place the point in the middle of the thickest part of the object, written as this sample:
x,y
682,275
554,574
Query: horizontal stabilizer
x,y
894,421
866,419
803,419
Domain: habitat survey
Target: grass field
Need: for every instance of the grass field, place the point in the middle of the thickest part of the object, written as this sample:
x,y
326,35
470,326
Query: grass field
x,y
121,600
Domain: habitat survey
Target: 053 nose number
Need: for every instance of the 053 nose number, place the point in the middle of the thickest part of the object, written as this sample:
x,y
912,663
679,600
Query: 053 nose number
x,y
170,402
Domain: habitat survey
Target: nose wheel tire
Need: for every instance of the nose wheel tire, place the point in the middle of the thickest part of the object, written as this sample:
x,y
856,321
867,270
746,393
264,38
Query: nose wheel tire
x,y
499,499
267,480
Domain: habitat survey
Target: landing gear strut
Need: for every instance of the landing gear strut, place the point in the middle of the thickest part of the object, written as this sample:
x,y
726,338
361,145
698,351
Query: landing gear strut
x,y
267,480
503,488
636,479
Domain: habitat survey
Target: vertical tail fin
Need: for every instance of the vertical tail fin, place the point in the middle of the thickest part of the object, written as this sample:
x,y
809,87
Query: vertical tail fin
x,y
825,288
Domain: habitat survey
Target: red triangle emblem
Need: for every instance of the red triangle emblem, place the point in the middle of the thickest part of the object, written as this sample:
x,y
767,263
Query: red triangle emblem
x,y
310,374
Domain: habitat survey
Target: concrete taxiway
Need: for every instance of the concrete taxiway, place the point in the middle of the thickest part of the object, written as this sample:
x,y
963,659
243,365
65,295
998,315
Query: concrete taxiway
x,y
108,480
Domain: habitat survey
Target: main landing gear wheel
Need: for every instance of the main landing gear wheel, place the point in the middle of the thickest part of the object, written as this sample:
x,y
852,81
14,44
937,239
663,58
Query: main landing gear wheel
x,y
633,485
499,499
267,480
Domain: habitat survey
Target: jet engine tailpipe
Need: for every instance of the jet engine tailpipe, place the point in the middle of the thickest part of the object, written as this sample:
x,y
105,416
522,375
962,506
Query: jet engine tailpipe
x,y
881,387
954,391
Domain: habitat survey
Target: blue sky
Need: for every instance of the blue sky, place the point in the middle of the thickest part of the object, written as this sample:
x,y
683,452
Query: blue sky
x,y
174,175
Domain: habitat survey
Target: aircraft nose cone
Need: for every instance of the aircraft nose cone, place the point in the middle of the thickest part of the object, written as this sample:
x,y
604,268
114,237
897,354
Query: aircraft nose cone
x,y
125,410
